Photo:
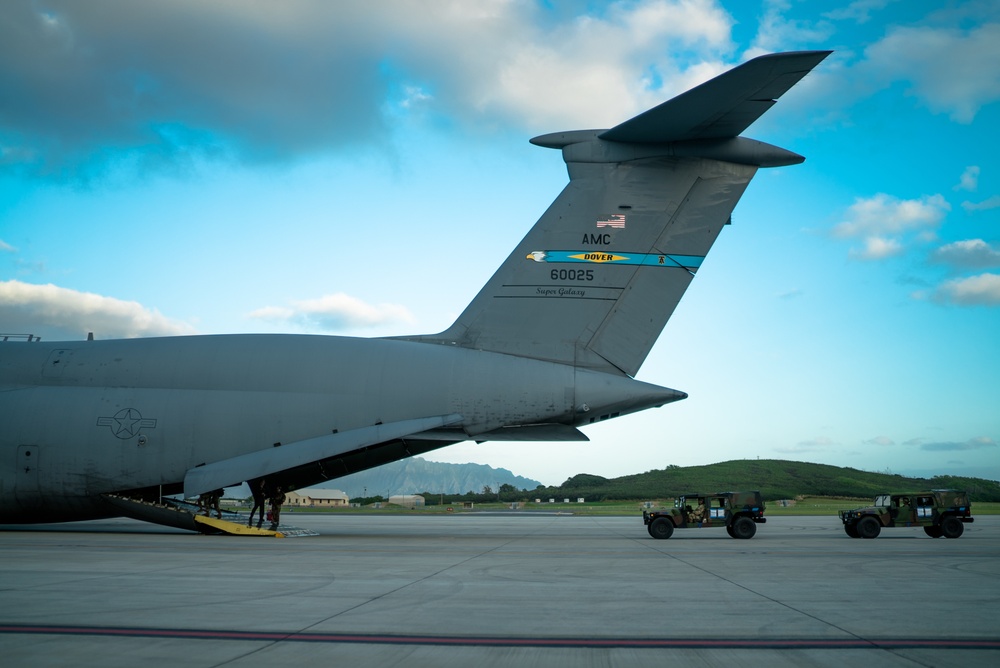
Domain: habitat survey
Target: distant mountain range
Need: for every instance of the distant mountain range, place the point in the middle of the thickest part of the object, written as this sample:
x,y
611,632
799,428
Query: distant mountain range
x,y
415,476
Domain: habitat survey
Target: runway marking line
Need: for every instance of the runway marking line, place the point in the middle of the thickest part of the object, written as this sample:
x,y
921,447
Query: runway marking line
x,y
382,639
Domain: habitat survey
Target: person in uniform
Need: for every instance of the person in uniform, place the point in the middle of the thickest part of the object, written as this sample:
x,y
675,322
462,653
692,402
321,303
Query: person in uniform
x,y
257,490
209,501
277,499
698,514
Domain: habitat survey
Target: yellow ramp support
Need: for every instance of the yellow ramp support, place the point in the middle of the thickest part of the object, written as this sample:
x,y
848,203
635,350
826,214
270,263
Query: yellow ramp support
x,y
236,528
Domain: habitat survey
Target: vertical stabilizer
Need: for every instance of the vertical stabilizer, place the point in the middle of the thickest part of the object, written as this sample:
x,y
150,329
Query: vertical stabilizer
x,y
598,276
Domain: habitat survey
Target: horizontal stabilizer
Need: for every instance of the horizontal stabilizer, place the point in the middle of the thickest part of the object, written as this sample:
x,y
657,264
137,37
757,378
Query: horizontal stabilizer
x,y
534,432
528,432
723,107
233,471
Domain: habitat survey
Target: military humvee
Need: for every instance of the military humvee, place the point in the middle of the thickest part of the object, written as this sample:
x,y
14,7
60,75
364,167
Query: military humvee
x,y
739,512
941,512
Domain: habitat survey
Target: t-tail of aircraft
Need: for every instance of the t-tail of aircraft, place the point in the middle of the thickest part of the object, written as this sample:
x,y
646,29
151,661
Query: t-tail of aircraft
x,y
596,279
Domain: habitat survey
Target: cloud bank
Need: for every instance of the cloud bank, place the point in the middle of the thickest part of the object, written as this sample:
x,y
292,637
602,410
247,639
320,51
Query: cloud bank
x,y
172,80
885,223
60,313
334,313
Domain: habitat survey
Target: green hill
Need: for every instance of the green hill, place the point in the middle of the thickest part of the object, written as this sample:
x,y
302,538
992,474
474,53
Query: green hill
x,y
775,478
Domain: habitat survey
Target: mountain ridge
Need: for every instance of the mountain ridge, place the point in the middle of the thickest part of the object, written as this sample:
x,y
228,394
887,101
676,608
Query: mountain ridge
x,y
416,475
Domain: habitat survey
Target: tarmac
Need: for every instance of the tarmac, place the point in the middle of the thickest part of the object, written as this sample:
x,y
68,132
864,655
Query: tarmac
x,y
508,589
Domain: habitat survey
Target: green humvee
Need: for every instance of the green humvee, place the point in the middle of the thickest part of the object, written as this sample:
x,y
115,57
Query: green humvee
x,y
941,512
739,512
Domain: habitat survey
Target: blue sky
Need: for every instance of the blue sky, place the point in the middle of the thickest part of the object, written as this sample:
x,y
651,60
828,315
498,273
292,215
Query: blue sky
x,y
198,168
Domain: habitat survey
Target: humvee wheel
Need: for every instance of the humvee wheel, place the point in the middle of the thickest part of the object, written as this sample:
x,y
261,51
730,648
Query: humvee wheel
x,y
649,529
661,528
852,530
729,530
933,532
868,527
952,527
744,528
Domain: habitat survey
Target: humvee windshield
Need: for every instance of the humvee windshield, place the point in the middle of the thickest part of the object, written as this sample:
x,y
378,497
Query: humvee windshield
x,y
882,500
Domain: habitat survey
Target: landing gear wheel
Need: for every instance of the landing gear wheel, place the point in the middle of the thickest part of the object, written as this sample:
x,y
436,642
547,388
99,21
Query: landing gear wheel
x,y
868,527
661,528
952,527
744,528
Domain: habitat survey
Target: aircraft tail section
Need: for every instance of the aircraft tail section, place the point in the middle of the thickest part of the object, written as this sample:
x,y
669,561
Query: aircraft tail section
x,y
596,279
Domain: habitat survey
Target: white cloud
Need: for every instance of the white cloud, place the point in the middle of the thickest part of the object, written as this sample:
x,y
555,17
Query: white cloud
x,y
586,73
883,221
884,214
878,248
859,11
971,444
413,96
946,67
776,32
981,290
985,205
818,444
880,440
6,247
969,253
336,312
969,179
277,81
54,312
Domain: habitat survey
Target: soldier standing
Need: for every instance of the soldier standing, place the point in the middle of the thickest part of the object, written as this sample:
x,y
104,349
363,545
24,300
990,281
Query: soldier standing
x,y
209,501
277,498
257,487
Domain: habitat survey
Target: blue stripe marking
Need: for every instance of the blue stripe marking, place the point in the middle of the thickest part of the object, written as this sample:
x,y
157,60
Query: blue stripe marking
x,y
612,258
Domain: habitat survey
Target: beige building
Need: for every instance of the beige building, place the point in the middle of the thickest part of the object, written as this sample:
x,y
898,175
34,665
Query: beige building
x,y
317,498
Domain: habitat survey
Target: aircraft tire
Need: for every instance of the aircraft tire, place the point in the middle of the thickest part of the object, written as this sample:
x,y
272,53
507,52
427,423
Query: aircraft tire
x,y
744,528
868,527
952,527
661,528
933,532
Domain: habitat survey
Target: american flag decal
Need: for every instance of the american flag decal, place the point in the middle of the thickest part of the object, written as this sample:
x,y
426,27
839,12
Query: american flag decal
x,y
616,220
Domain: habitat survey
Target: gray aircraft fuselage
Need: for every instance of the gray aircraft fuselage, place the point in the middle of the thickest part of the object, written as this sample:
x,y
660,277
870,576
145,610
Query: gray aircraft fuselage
x,y
137,414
